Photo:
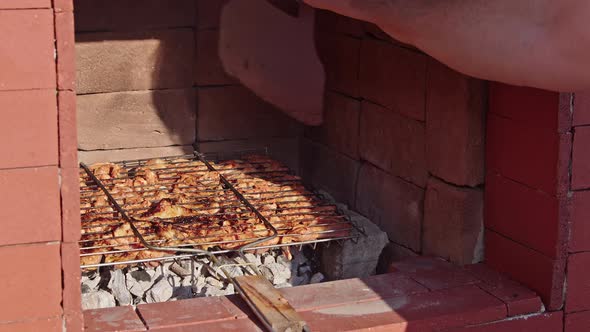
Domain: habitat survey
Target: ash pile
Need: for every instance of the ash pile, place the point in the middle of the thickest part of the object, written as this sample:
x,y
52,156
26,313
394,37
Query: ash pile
x,y
195,277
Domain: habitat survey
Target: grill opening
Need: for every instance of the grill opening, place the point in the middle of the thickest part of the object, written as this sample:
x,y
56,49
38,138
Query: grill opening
x,y
195,221
188,205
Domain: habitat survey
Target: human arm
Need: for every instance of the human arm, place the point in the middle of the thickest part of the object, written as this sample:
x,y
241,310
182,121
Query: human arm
x,y
538,43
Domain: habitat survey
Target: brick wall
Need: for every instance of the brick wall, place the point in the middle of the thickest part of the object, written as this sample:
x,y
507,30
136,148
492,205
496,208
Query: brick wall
x,y
527,162
402,141
38,171
134,78
150,83
577,301
231,117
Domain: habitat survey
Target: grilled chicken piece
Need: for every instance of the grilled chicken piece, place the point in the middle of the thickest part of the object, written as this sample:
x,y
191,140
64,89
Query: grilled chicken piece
x,y
106,171
179,202
165,209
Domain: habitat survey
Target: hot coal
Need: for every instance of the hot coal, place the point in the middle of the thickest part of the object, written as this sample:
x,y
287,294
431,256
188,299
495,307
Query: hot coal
x,y
190,278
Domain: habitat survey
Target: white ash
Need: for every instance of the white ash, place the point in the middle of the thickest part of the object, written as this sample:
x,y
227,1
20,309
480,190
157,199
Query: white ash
x,y
97,299
198,277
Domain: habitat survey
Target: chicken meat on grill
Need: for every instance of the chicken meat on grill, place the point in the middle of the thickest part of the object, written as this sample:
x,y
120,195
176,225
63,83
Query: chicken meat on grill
x,y
180,202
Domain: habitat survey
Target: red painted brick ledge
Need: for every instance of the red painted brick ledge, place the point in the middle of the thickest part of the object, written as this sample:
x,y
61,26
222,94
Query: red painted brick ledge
x,y
425,294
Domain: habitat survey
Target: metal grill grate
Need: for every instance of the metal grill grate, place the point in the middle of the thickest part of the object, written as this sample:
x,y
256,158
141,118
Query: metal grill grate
x,y
152,210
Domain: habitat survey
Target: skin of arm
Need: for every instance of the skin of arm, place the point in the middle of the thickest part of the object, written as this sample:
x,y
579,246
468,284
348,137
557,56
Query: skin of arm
x,y
538,43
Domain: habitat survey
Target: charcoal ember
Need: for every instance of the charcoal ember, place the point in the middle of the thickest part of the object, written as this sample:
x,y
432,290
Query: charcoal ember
x,y
198,284
299,257
276,273
317,278
253,258
213,291
298,280
197,268
90,282
174,280
304,269
282,259
203,260
118,287
138,282
229,267
180,270
214,282
97,300
268,259
229,289
160,292
184,290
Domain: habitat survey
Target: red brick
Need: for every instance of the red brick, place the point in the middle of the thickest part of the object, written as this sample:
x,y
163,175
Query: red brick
x,y
30,197
577,322
68,129
91,157
419,312
513,209
31,280
340,129
434,273
208,67
125,61
112,319
332,22
393,77
343,292
582,108
45,325
66,52
136,119
22,4
581,159
455,115
393,253
70,267
453,223
529,267
549,322
187,312
27,49
237,325
283,149
394,143
124,15
580,221
209,13
526,106
340,55
329,170
523,153
393,204
518,299
21,145
74,322
578,282
63,6
234,112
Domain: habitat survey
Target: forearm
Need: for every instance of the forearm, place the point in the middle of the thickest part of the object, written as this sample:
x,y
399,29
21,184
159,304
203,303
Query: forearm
x,y
514,41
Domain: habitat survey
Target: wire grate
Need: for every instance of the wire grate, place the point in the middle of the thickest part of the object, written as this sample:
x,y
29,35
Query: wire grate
x,y
151,210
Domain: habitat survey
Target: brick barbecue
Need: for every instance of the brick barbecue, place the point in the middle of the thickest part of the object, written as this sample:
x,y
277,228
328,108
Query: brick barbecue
x,y
481,187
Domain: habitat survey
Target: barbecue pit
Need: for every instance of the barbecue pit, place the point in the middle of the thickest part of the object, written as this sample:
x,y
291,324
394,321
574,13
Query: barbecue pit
x,y
185,223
